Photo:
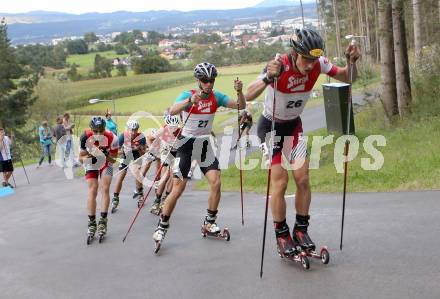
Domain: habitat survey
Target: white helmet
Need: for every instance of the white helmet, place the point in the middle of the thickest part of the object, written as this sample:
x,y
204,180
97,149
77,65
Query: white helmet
x,y
172,120
132,124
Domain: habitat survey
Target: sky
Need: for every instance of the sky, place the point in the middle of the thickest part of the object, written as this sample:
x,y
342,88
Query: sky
x,y
82,6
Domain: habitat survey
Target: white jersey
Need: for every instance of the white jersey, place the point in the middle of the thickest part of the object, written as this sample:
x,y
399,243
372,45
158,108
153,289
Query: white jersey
x,y
293,89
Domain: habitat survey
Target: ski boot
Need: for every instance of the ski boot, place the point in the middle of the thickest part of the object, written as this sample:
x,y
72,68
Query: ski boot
x,y
156,208
115,203
102,228
305,242
288,248
159,234
210,228
91,230
139,195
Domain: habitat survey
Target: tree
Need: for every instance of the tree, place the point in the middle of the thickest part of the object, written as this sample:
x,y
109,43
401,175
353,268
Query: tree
x,y
338,31
78,46
90,37
122,70
387,69
403,84
101,47
72,73
16,86
134,49
120,49
150,64
102,67
417,11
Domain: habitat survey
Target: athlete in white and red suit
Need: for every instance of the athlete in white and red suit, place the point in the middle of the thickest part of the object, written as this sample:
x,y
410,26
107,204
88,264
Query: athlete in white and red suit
x,y
297,73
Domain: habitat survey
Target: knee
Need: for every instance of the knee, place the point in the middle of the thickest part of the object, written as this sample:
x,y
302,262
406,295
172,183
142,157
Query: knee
x,y
216,185
302,183
280,185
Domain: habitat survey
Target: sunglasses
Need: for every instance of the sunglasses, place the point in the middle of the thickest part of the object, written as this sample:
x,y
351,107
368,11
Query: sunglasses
x,y
203,80
98,131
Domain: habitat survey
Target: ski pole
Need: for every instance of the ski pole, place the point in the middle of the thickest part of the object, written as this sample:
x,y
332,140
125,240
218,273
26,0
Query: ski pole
x,y
22,164
269,172
241,170
155,177
347,146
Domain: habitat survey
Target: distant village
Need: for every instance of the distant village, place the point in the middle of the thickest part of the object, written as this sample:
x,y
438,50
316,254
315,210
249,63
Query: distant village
x,y
176,45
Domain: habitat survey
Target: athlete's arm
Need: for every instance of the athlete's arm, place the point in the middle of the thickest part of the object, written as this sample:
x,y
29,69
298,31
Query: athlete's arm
x,y
343,74
352,54
238,86
271,70
184,101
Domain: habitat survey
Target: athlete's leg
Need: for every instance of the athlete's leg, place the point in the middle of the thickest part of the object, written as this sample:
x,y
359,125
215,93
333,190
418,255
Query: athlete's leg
x,y
106,180
119,181
279,181
92,184
303,190
213,177
178,188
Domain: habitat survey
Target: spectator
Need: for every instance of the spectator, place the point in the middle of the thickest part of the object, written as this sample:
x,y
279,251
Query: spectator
x,y
58,133
45,134
6,166
110,124
68,127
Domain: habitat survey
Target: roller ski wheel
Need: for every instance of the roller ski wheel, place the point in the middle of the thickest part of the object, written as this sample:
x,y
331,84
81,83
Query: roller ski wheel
x,y
298,257
157,246
305,263
222,234
323,255
91,230
90,239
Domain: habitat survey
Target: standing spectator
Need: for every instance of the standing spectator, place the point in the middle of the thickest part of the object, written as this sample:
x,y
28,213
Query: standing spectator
x,y
110,124
6,167
68,127
45,134
58,133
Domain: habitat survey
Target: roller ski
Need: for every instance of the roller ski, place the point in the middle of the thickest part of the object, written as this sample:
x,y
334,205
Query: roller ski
x,y
115,204
289,248
159,235
212,230
307,246
102,229
91,230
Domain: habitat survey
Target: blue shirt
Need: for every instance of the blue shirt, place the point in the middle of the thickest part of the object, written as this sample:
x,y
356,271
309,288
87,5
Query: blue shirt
x,y
111,126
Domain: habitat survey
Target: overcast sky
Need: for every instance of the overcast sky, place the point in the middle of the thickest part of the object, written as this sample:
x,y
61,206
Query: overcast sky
x,y
82,6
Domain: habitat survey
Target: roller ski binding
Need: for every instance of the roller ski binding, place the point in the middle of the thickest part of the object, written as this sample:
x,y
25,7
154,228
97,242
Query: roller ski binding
x,y
212,230
102,229
158,236
307,246
115,204
156,207
91,230
288,248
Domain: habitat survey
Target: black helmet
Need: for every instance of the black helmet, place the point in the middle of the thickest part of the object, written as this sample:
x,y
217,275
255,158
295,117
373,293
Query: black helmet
x,y
205,70
308,43
97,123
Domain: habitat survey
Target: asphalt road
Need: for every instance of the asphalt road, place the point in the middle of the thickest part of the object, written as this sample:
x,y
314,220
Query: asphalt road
x,y
390,249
